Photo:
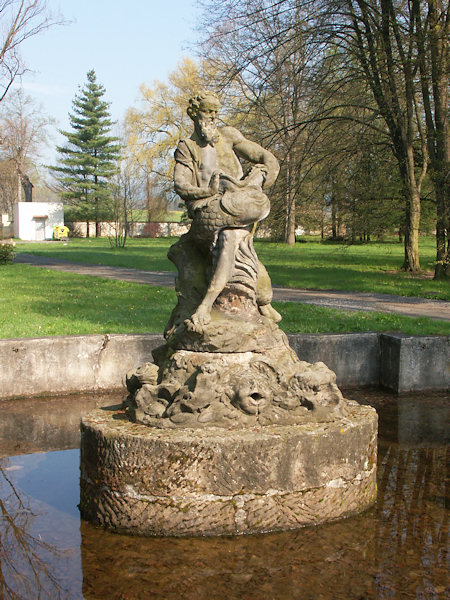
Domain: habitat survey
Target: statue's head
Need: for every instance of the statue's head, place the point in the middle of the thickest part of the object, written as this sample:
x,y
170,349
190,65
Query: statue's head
x,y
203,102
203,109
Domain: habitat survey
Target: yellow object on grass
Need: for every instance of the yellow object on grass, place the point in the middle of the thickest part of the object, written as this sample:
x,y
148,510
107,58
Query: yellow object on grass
x,y
60,232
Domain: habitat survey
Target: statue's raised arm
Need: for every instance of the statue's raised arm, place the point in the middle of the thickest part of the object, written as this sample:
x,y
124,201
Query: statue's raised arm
x,y
256,154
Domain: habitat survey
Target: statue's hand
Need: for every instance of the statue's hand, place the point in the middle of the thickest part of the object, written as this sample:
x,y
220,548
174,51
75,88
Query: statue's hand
x,y
214,183
200,196
257,176
259,168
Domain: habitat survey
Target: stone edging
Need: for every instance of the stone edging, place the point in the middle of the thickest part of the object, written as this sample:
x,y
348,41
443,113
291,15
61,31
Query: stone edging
x,y
68,364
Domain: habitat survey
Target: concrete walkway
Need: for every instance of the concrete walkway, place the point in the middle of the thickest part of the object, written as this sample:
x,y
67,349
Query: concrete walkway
x,y
408,306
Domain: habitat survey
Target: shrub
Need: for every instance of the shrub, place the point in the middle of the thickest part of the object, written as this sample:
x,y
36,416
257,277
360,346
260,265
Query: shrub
x,y
6,253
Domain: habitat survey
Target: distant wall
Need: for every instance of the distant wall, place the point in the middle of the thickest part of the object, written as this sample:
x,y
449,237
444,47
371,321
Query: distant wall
x,y
152,229
139,229
66,364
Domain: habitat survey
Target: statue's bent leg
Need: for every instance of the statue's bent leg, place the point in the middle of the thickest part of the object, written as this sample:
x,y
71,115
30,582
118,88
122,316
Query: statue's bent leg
x,y
193,265
227,245
264,294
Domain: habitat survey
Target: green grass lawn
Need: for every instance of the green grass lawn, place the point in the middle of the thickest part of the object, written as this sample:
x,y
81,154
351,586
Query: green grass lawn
x,y
372,267
38,302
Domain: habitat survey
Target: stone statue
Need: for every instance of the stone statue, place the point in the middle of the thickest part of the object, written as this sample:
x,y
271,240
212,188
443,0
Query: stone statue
x,y
225,362
27,188
224,205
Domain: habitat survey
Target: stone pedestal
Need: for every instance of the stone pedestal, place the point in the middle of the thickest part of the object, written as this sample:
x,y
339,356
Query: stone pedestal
x,y
187,482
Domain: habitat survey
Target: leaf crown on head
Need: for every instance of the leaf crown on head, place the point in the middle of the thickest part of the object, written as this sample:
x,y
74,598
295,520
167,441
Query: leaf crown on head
x,y
202,100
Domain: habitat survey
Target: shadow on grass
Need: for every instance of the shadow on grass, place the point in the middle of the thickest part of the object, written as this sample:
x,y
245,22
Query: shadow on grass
x,y
352,279
136,258
44,302
307,318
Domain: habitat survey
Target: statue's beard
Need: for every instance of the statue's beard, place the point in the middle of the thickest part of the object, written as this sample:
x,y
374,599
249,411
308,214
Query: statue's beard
x,y
209,132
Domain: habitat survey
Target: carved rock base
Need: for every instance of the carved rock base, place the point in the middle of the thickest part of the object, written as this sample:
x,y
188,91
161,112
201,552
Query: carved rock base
x,y
182,482
233,390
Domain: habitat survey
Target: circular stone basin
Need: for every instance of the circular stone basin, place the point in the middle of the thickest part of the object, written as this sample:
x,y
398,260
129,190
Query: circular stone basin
x,y
182,482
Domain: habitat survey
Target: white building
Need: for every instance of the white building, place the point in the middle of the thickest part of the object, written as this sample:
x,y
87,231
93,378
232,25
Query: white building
x,y
34,221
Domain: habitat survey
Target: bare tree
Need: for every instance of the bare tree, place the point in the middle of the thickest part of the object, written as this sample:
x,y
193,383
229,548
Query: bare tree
x,y
272,55
392,53
23,129
128,193
379,35
19,20
8,186
399,50
260,55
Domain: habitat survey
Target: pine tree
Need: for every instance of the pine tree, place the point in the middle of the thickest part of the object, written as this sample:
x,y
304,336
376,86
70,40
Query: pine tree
x,y
89,158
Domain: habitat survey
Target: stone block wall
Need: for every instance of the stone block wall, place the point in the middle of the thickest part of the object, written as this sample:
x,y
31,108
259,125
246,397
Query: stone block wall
x,y
67,364
414,363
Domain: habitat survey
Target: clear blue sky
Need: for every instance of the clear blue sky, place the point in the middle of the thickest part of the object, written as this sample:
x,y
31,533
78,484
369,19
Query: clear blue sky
x,y
126,42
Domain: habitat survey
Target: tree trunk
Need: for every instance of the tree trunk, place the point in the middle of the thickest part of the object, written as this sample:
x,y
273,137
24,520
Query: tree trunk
x,y
149,196
290,224
289,227
97,218
334,221
19,188
442,267
97,206
438,136
125,217
412,193
412,261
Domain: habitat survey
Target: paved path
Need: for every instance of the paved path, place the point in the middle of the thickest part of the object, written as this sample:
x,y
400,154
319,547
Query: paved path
x,y
412,307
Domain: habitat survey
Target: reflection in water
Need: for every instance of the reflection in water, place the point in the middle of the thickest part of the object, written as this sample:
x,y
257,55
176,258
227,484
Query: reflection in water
x,y
40,424
412,521
396,550
27,566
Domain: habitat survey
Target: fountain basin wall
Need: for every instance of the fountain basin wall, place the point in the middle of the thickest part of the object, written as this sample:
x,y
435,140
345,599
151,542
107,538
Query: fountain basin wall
x,y
150,481
66,364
